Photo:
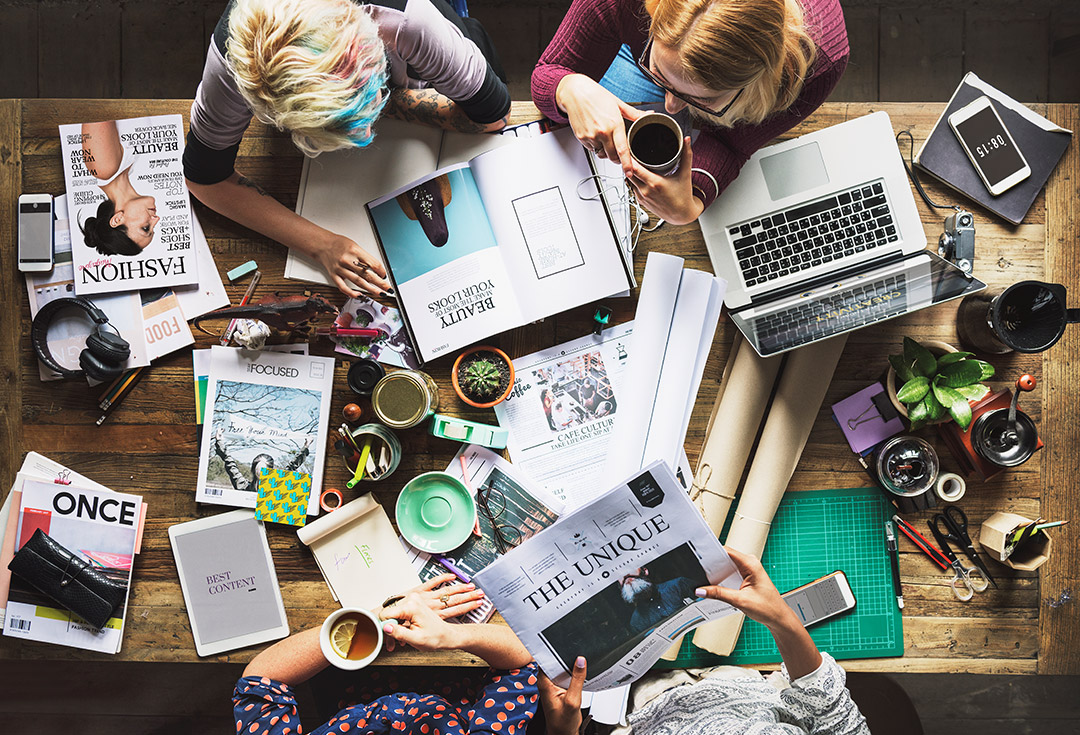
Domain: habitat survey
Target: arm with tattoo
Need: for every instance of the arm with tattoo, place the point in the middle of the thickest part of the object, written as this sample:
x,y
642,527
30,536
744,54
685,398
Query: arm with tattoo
x,y
428,107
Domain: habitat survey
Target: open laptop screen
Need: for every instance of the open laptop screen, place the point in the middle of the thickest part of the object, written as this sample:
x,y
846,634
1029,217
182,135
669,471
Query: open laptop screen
x,y
914,283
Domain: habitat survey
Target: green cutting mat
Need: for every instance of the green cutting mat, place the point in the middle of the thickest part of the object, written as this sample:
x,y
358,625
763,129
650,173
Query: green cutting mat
x,y
815,533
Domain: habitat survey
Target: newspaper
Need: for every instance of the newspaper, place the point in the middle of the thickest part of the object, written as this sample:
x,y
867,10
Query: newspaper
x,y
562,410
613,581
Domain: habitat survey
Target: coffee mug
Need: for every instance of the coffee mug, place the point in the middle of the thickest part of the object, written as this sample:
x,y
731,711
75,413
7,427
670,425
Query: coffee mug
x,y
360,643
1029,316
656,142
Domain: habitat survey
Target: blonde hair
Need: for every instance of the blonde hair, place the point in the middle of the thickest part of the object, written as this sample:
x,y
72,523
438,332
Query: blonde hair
x,y
759,46
316,68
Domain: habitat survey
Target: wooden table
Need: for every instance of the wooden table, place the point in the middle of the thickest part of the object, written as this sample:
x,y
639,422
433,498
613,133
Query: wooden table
x,y
149,445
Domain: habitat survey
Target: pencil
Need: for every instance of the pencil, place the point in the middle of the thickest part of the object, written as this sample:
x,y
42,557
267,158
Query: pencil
x,y
125,390
108,391
126,380
243,302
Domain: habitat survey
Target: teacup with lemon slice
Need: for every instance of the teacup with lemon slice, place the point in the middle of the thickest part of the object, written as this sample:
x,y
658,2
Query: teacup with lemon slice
x,y
351,638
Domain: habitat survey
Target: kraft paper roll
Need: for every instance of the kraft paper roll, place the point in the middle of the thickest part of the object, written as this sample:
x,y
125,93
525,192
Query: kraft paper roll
x,y
803,382
735,419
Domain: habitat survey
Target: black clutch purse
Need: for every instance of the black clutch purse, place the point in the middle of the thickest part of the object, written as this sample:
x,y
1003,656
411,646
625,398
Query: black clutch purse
x,y
78,587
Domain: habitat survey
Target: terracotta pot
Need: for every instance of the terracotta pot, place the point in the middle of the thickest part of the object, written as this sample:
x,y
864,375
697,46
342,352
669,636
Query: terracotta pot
x,y
457,386
938,349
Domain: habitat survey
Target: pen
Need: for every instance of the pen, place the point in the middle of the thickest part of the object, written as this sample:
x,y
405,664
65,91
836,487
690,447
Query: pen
x,y
468,486
925,546
243,302
452,568
894,557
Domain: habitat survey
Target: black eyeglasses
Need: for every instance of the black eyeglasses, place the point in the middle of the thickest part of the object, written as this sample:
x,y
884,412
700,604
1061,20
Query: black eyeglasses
x,y
643,64
491,504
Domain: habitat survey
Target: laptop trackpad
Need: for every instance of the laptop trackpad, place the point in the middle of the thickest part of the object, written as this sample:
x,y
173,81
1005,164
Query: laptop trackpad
x,y
794,171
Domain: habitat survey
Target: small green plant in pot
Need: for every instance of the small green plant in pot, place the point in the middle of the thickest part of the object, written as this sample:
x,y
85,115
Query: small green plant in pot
x,y
935,386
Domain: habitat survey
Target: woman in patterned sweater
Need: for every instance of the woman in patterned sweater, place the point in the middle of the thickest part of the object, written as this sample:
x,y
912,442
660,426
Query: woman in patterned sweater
x,y
808,696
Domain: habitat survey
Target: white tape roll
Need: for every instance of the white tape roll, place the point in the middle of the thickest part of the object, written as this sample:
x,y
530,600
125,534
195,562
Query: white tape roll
x,y
950,487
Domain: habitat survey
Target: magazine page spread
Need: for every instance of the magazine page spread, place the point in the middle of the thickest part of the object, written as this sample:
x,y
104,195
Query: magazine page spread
x,y
511,509
562,410
444,262
553,232
100,527
264,409
129,211
613,581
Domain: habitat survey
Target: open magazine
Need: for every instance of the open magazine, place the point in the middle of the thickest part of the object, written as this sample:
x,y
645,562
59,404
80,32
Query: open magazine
x,y
265,410
512,236
100,527
130,214
613,581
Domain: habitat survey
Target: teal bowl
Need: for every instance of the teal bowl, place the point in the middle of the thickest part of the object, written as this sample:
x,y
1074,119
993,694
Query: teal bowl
x,y
435,512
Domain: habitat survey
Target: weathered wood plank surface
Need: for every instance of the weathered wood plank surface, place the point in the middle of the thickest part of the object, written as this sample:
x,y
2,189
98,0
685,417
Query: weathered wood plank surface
x,y
149,446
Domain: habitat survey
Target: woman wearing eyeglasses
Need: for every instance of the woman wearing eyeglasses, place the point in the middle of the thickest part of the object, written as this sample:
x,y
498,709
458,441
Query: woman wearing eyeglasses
x,y
749,70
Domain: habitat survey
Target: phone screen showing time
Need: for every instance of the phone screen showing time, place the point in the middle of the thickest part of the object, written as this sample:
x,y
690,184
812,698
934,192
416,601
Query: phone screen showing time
x,y
990,146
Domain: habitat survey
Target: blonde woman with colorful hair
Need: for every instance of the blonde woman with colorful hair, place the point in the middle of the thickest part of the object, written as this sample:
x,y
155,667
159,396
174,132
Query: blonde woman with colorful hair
x,y
325,70
748,70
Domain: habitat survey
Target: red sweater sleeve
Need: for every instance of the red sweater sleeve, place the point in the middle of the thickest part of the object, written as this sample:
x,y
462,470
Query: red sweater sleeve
x,y
723,151
587,41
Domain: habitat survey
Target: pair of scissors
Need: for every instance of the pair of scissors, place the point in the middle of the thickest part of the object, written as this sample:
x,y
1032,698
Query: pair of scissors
x,y
966,581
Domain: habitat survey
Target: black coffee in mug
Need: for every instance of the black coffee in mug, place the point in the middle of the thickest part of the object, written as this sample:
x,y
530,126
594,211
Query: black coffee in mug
x,y
655,144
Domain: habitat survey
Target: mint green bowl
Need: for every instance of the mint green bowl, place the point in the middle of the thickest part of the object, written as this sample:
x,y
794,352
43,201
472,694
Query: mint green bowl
x,y
435,512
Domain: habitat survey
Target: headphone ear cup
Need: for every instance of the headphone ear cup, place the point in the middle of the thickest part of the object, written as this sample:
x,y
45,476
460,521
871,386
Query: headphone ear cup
x,y
98,369
108,347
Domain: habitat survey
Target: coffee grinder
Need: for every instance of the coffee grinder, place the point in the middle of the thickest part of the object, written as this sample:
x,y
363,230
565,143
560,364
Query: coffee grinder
x,y
1000,435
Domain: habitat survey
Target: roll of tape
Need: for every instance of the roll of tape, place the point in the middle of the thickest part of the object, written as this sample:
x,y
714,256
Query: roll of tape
x,y
950,487
330,492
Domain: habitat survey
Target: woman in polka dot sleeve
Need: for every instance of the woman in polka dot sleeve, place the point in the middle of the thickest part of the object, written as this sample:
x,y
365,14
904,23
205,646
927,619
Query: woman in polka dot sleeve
x,y
502,703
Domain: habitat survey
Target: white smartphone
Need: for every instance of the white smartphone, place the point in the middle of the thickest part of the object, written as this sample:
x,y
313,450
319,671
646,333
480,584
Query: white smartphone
x,y
35,232
821,599
987,142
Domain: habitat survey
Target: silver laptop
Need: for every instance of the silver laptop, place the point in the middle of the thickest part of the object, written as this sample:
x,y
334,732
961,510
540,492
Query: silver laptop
x,y
820,235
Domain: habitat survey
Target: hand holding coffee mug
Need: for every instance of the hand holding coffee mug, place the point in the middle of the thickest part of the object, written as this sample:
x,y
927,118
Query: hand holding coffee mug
x,y
656,143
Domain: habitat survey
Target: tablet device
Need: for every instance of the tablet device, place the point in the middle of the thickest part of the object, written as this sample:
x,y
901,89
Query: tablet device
x,y
230,586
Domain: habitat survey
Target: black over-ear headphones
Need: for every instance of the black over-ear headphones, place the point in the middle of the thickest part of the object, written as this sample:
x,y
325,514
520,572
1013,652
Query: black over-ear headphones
x,y
105,352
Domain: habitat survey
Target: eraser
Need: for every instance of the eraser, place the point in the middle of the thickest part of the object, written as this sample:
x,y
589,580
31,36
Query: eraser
x,y
242,270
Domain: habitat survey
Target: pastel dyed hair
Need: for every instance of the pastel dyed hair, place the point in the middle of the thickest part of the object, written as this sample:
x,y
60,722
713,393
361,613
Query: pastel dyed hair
x,y
759,46
316,68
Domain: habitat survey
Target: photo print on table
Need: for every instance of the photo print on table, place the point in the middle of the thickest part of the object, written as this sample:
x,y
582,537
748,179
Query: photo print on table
x,y
575,391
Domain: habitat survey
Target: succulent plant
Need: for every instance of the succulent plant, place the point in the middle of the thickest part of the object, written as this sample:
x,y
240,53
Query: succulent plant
x,y
480,378
933,386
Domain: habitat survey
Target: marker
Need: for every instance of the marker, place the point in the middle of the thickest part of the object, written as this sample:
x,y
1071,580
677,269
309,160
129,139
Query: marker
x,y
925,546
894,557
452,568
348,332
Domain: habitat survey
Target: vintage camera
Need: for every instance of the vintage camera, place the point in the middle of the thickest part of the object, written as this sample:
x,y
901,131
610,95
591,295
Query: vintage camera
x,y
957,242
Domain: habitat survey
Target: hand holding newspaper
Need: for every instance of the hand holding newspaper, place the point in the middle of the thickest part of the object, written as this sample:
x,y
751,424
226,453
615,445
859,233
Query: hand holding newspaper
x,y
613,581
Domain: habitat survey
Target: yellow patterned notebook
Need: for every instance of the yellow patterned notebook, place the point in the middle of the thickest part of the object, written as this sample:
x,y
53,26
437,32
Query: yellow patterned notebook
x,y
283,496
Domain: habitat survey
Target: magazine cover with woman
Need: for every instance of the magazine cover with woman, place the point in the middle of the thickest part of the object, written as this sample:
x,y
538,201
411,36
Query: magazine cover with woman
x,y
130,214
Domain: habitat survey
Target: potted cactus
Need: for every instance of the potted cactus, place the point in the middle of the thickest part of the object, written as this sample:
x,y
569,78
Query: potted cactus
x,y
483,376
933,382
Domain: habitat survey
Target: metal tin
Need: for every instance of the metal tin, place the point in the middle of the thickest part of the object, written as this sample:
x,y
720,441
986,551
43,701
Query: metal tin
x,y
405,398
383,436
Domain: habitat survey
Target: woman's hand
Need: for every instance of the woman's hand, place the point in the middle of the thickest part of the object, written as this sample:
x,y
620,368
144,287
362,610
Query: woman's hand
x,y
562,707
459,598
758,597
669,197
352,269
597,117
411,620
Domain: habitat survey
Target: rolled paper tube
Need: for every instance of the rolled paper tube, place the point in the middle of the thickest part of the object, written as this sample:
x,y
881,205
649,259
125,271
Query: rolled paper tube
x,y
736,417
804,381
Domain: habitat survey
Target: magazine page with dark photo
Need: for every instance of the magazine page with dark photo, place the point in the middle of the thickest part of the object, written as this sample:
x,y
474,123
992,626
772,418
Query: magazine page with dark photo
x,y
444,262
264,410
553,231
129,210
392,347
613,581
562,410
99,527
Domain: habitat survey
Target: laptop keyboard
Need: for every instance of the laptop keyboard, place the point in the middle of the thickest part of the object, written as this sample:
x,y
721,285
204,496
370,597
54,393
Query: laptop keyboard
x,y
846,223
848,309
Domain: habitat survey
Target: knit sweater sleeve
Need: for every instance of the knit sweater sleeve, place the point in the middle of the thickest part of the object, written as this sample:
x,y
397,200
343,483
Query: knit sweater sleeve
x,y
587,41
723,151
